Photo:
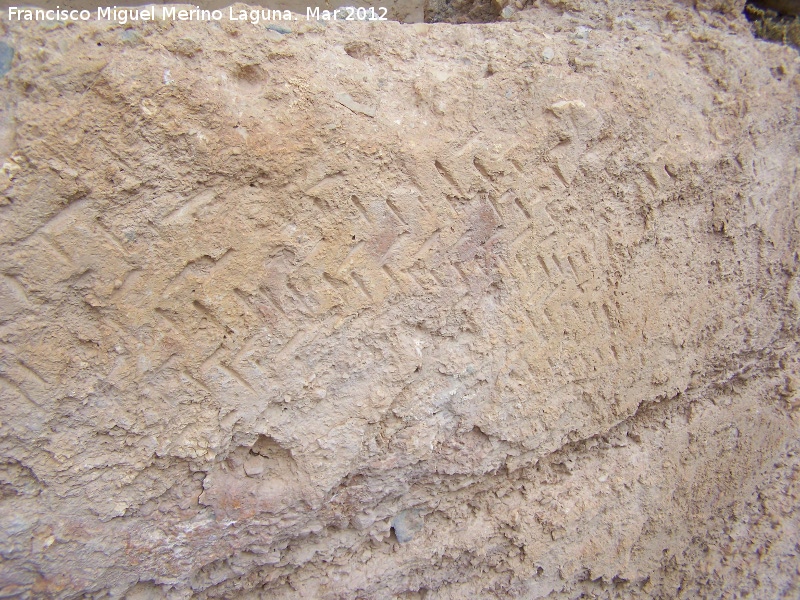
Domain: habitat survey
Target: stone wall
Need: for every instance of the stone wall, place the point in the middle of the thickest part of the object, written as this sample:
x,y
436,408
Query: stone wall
x,y
371,310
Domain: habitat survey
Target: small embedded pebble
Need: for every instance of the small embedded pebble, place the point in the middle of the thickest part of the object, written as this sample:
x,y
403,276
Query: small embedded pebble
x,y
6,56
130,36
279,29
406,525
253,466
548,54
581,32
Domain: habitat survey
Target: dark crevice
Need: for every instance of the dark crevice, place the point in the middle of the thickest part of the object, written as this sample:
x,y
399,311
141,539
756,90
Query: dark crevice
x,y
461,11
775,20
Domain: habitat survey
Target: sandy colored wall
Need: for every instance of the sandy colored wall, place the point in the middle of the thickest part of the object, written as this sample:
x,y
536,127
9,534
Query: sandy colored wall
x,y
371,310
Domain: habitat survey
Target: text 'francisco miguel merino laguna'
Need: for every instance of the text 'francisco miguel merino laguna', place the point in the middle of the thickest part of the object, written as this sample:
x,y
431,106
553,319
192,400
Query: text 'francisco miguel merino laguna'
x,y
173,13
130,15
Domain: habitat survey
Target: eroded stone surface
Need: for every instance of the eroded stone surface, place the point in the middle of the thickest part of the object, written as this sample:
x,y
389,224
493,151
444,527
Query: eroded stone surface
x,y
538,314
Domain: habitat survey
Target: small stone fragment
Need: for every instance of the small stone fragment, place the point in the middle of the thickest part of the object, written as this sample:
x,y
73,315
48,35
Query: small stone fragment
x,y
406,525
581,32
6,56
279,29
253,466
347,101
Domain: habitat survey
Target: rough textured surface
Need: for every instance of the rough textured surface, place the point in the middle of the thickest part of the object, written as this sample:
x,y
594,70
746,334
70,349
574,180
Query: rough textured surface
x,y
380,311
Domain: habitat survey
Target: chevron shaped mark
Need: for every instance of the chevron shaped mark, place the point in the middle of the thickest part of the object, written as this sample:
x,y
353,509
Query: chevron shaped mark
x,y
445,174
394,210
235,375
353,251
63,218
360,207
361,285
190,208
15,387
480,168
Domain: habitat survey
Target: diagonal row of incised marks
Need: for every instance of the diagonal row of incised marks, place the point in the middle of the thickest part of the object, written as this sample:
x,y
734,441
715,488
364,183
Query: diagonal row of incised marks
x,y
335,284
171,363
554,266
544,265
190,208
246,302
270,297
113,239
246,347
601,317
16,288
522,208
447,177
203,309
195,381
202,267
360,285
574,269
476,162
62,217
396,243
235,375
14,386
557,170
27,369
170,320
358,246
57,249
488,198
357,203
22,378
299,297
395,211
215,361
290,346
427,245
392,277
